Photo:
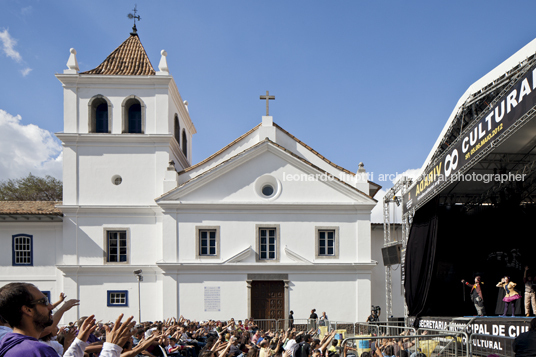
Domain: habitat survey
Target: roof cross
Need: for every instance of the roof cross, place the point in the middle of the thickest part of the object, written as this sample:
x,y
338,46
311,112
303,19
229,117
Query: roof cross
x,y
267,97
133,16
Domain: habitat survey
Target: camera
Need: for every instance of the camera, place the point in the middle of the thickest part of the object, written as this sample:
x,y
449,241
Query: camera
x,y
376,309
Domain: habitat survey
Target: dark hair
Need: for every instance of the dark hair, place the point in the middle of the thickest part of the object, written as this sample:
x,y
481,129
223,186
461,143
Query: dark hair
x,y
389,350
365,354
13,297
299,338
532,326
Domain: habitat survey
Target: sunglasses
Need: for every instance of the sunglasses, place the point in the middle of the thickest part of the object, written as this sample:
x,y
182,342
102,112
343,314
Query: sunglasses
x,y
42,301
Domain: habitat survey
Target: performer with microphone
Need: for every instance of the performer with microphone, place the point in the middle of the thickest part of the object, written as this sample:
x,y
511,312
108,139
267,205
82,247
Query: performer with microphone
x,y
511,294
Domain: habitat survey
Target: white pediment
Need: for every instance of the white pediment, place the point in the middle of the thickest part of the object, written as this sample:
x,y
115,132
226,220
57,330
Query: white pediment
x,y
296,181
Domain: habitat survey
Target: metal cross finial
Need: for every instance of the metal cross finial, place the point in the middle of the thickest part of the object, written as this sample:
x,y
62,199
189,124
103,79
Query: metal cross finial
x,y
133,16
267,97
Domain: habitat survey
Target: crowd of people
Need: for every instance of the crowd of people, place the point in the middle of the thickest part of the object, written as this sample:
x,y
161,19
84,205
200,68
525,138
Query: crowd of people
x,y
28,327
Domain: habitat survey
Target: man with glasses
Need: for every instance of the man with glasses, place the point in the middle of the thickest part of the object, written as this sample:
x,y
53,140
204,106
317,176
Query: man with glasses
x,y
28,311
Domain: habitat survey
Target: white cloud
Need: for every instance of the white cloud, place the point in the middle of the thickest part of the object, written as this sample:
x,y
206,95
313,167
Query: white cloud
x,y
25,71
27,148
8,46
395,211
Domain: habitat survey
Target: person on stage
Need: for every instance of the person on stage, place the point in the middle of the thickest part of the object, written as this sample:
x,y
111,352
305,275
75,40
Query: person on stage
x,y
511,294
476,295
530,293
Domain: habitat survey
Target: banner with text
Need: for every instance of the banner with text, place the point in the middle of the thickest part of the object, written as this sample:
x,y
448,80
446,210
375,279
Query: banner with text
x,y
511,107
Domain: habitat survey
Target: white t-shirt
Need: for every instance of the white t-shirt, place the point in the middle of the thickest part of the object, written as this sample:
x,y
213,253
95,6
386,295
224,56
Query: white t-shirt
x,y
55,345
149,332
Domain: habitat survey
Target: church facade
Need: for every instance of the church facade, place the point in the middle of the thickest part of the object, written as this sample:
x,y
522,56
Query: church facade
x,y
264,226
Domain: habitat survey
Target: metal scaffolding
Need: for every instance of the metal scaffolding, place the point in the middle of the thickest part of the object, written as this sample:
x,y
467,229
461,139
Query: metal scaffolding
x,y
394,195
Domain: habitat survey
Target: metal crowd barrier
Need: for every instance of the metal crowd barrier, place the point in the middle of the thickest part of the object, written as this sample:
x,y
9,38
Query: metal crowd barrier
x,y
442,344
298,324
447,344
381,328
484,345
267,324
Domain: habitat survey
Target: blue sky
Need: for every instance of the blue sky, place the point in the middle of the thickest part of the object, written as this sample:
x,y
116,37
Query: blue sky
x,y
371,81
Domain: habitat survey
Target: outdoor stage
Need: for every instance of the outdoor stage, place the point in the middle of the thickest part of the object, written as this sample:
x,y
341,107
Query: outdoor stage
x,y
471,211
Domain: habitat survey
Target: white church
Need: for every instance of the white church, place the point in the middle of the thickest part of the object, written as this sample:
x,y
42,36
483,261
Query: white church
x,y
263,226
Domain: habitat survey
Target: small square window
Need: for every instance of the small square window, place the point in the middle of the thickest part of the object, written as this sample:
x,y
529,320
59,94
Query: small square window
x,y
268,243
327,242
117,298
116,246
22,249
208,242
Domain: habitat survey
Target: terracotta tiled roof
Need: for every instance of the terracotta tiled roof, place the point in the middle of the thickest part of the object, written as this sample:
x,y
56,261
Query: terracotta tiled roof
x,y
129,59
29,208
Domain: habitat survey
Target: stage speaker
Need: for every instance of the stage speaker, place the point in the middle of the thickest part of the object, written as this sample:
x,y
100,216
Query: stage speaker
x,y
391,254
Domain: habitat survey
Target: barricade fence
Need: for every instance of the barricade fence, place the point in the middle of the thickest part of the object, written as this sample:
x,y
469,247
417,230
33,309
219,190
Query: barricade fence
x,y
267,324
441,344
430,342
446,344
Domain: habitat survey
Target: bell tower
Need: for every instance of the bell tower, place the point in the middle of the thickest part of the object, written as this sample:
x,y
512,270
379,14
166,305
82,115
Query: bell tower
x,y
124,123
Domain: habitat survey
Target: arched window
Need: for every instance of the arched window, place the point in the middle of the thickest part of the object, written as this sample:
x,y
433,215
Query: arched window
x,y
134,118
184,143
133,115
101,118
177,127
99,115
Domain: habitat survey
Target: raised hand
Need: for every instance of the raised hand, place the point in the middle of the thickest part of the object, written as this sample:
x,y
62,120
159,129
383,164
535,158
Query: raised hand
x,y
88,326
69,304
120,332
69,336
142,346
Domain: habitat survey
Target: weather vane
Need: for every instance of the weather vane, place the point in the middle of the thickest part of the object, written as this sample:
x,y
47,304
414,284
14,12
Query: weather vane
x,y
133,16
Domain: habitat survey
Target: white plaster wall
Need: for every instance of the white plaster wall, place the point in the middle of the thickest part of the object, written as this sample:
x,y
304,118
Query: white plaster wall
x,y
238,185
332,292
297,232
233,295
342,294
144,246
46,254
46,237
378,277
139,166
93,288
242,145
